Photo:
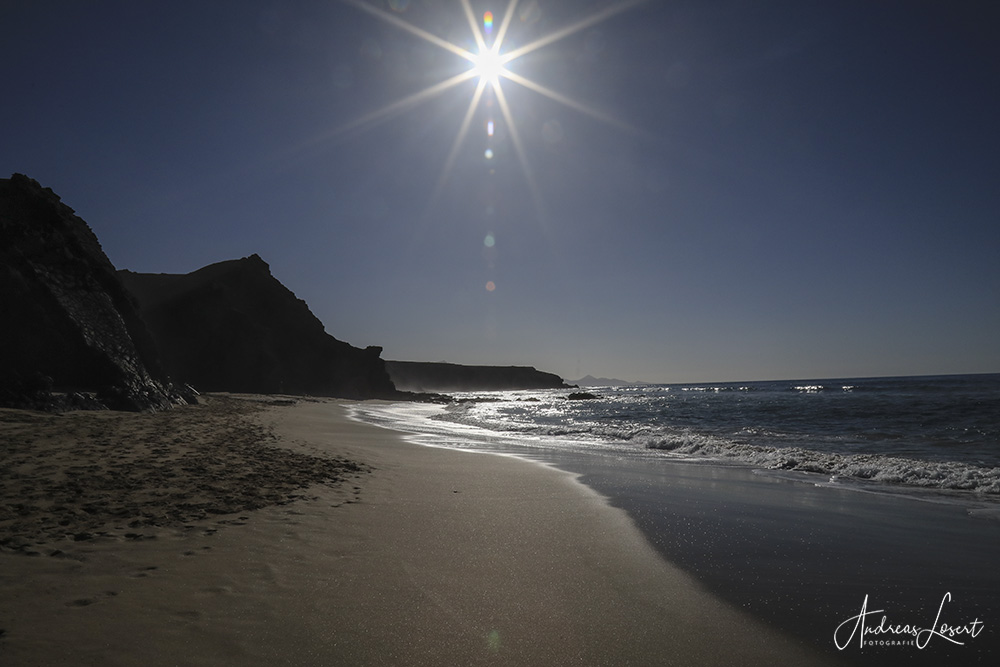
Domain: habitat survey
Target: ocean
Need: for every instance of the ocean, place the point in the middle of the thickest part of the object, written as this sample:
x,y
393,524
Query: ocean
x,y
936,432
798,502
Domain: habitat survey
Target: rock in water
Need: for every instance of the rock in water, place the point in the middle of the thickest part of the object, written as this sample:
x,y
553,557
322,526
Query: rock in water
x,y
66,323
232,326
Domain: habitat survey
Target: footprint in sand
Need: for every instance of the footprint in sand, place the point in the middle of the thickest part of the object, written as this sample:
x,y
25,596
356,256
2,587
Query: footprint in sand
x,y
86,602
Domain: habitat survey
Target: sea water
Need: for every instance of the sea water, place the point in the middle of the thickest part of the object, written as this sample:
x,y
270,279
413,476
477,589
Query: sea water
x,y
937,432
796,501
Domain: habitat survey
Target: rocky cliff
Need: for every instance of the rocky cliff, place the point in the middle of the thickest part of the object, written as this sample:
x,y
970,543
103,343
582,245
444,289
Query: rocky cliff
x,y
232,326
434,377
70,335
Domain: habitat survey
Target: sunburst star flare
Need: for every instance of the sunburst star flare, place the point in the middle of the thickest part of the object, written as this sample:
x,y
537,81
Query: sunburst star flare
x,y
489,67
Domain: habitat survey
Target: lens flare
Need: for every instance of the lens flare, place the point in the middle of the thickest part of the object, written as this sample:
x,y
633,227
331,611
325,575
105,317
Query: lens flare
x,y
490,286
488,60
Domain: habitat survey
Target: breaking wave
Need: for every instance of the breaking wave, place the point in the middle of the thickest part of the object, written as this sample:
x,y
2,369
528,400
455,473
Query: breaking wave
x,y
940,433
945,475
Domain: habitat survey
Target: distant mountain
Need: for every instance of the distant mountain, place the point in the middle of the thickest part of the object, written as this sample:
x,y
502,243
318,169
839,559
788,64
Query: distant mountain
x,y
232,326
70,335
438,376
591,381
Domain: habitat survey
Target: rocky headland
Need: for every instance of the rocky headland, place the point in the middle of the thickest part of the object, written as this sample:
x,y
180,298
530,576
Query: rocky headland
x,y
77,333
232,326
439,376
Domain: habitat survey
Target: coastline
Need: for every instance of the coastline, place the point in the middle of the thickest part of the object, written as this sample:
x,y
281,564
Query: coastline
x,y
433,557
799,551
468,558
805,557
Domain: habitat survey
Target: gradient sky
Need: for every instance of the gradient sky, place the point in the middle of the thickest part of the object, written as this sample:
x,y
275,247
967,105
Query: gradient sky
x,y
713,190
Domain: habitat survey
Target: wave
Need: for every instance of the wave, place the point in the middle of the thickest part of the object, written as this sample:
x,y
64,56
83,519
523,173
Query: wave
x,y
944,475
829,440
622,433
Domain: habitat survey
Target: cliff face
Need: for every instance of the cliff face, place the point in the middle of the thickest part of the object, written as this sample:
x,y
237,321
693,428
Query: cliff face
x,y
232,326
66,323
432,377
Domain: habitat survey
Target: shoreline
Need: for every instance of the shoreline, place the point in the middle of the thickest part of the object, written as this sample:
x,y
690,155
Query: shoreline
x,y
805,557
434,557
801,554
525,564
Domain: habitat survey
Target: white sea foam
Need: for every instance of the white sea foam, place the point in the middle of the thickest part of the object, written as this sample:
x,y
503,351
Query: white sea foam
x,y
930,433
947,475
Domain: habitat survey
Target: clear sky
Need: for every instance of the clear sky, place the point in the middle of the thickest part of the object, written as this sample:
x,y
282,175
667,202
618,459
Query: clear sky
x,y
688,190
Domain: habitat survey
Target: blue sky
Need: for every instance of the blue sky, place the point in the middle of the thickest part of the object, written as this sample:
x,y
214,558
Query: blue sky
x,y
712,190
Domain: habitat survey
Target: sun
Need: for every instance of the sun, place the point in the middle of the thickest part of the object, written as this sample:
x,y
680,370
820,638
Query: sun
x,y
489,68
488,65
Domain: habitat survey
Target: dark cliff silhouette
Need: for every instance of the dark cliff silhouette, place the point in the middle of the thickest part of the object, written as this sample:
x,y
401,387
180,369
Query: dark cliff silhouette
x,y
232,326
70,335
76,333
434,377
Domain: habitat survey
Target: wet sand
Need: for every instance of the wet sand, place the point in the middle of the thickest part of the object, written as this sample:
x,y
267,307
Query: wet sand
x,y
346,545
803,554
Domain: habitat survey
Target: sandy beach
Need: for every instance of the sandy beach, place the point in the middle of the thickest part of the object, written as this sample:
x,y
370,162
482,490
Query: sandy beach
x,y
256,533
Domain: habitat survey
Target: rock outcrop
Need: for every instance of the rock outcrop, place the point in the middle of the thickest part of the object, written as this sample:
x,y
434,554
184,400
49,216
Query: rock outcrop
x,y
232,326
434,377
74,332
70,335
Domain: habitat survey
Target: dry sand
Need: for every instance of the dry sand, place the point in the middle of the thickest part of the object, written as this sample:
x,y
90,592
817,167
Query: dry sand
x,y
428,557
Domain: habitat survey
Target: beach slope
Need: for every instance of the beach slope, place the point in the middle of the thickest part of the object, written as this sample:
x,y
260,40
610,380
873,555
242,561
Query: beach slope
x,y
434,557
